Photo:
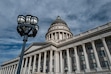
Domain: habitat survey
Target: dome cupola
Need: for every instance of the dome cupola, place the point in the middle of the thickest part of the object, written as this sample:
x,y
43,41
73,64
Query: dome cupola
x,y
58,31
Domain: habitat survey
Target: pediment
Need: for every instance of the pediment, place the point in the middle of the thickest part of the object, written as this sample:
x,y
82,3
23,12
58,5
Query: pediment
x,y
35,46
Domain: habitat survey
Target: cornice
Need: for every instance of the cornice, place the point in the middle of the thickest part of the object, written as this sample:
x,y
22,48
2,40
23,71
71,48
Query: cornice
x,y
90,33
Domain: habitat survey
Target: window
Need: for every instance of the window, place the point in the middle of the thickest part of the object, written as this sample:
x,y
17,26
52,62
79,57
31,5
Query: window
x,y
65,62
89,47
73,64
82,57
80,50
105,64
108,42
83,67
93,65
102,53
92,56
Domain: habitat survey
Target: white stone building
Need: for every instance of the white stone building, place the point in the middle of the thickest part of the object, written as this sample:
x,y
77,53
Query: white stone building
x,y
86,53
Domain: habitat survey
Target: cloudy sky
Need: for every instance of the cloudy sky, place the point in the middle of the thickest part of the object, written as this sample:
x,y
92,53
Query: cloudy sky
x,y
80,15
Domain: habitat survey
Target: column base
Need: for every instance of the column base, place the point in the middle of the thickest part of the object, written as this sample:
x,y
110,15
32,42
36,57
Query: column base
x,y
87,70
50,73
68,73
77,71
98,69
110,67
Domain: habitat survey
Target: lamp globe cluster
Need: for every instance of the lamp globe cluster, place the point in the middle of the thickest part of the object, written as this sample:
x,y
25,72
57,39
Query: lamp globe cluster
x,y
27,25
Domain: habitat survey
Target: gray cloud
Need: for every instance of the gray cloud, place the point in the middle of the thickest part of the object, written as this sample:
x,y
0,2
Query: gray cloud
x,y
80,15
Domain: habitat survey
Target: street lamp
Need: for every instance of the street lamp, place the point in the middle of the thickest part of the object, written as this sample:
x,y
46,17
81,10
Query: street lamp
x,y
27,27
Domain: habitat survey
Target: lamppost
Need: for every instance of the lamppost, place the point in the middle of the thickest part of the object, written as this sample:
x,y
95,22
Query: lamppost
x,y
27,27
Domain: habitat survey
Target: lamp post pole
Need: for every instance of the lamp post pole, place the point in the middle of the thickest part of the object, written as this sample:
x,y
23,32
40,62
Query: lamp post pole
x,y
27,27
22,54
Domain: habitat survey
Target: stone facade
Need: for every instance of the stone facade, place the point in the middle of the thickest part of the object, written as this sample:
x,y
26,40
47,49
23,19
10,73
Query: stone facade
x,y
63,53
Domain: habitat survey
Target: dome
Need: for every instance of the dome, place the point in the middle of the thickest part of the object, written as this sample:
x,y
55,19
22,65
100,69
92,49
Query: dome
x,y
59,20
58,31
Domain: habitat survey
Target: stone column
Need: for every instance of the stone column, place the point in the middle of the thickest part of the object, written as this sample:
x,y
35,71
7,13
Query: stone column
x,y
51,60
86,58
56,63
34,64
44,68
2,71
25,67
5,71
55,36
8,70
11,69
63,35
107,51
14,69
29,67
39,62
68,61
77,60
61,62
96,56
22,69
51,36
67,35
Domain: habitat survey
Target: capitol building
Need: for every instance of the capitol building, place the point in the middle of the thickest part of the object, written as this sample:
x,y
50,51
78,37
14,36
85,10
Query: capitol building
x,y
64,53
